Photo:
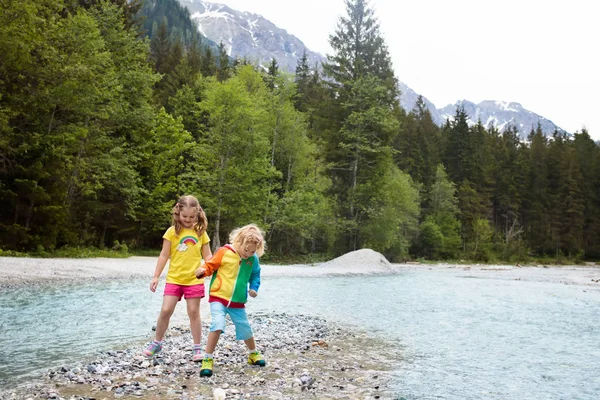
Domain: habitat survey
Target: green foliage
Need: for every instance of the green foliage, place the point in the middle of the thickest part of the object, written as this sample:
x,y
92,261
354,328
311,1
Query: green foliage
x,y
174,15
431,239
101,130
482,240
391,215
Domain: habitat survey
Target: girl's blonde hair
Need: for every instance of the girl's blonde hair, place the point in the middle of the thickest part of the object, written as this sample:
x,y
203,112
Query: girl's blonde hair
x,y
201,221
251,233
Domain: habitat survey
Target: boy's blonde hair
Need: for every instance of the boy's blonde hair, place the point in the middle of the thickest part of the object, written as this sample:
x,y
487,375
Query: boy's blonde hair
x,y
251,233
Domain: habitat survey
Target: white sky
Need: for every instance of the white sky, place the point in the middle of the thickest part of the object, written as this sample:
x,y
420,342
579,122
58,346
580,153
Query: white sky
x,y
542,54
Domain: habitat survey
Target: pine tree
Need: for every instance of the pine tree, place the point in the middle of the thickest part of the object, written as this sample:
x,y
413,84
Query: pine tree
x,y
588,156
359,50
302,80
223,68
194,56
417,145
209,63
160,47
272,73
537,204
358,122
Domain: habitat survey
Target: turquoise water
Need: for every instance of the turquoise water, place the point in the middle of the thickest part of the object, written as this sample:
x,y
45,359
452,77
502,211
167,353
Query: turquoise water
x,y
462,338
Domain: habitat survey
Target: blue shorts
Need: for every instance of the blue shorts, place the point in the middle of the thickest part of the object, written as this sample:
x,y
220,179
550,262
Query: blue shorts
x,y
218,312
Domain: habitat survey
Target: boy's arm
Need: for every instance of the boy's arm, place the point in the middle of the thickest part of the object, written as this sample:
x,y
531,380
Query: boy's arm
x,y
255,275
211,265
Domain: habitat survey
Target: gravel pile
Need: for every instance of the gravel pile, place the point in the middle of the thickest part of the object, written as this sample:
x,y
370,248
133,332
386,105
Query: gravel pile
x,y
306,357
365,259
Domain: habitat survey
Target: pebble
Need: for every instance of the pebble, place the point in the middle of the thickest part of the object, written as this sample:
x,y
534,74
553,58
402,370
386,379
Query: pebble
x,y
307,357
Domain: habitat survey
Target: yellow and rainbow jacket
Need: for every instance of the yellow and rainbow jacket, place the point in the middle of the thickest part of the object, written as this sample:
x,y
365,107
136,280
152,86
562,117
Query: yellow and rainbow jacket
x,y
231,276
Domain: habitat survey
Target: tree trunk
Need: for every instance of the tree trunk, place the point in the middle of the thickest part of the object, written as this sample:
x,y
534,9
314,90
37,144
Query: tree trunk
x,y
216,241
29,213
289,174
354,179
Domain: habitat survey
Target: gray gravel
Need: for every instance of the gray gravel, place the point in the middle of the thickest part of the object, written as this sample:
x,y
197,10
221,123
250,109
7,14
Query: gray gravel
x,y
307,358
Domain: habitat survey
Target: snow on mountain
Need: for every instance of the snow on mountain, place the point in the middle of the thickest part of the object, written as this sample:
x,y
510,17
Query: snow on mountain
x,y
249,35
502,115
499,113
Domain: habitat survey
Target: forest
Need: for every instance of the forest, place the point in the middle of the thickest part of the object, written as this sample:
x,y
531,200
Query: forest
x,y
111,110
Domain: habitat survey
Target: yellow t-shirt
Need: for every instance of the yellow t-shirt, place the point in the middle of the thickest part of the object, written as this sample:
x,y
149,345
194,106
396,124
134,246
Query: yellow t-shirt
x,y
186,255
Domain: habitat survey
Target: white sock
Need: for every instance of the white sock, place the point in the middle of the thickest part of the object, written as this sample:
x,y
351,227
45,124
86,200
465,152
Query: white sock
x,y
207,355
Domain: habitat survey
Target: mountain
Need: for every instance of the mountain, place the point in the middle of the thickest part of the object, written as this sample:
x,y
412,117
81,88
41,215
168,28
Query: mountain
x,y
249,35
408,99
500,113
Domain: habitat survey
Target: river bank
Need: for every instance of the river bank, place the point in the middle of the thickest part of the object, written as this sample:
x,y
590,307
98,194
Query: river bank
x,y
306,357
16,271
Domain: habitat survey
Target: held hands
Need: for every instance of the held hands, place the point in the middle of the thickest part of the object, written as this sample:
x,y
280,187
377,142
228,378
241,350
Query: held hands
x,y
153,284
252,293
200,272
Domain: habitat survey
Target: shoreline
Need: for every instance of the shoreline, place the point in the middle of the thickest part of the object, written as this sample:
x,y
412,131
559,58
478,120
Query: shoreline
x,y
18,272
307,357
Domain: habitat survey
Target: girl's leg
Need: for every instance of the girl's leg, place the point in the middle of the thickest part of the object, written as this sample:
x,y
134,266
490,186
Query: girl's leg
x,y
168,306
193,310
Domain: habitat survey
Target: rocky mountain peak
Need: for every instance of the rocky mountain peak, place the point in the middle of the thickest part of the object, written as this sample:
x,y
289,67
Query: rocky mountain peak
x,y
249,35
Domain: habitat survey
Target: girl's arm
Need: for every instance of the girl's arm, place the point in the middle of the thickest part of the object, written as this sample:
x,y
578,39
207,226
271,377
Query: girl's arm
x,y
160,264
206,252
206,255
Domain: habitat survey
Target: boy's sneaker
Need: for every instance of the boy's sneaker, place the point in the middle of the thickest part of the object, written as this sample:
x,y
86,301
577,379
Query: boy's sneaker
x,y
207,367
152,349
256,359
198,356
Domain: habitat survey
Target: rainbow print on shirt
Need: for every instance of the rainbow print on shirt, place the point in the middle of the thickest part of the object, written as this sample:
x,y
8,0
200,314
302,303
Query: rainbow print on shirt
x,y
185,242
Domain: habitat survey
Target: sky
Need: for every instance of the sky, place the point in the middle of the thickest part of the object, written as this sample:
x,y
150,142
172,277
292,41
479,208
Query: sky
x,y
542,54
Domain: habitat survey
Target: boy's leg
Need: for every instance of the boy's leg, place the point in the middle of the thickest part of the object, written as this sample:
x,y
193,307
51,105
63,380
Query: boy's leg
x,y
217,325
243,331
250,344
211,342
207,363
254,356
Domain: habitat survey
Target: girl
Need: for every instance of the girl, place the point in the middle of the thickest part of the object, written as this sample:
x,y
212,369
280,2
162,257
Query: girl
x,y
185,243
234,267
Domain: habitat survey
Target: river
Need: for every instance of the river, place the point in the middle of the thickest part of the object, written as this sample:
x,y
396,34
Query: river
x,y
462,337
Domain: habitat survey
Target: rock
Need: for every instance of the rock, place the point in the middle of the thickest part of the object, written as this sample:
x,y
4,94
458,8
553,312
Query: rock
x,y
218,394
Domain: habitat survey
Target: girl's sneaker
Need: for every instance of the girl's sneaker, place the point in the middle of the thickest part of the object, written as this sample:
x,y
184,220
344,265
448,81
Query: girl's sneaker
x,y
152,349
256,359
198,356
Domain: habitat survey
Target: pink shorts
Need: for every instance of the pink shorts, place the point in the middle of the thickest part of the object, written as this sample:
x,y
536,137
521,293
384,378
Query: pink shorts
x,y
190,292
